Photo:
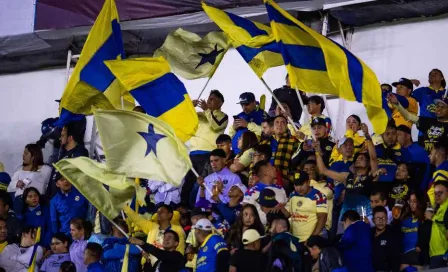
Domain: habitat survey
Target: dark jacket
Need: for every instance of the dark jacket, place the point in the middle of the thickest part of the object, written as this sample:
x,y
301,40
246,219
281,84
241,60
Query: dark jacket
x,y
169,261
356,247
329,260
386,249
14,226
289,96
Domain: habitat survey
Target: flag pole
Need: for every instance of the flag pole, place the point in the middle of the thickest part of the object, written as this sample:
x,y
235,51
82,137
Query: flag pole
x,y
197,175
124,233
214,69
279,104
307,117
205,86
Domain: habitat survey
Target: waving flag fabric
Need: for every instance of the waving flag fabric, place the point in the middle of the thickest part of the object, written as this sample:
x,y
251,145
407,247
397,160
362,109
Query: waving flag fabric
x,y
316,64
139,145
254,41
91,83
159,92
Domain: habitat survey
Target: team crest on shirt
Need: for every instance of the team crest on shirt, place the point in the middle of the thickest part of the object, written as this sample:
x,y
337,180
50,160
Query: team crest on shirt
x,y
328,148
299,203
77,198
435,132
38,213
205,249
225,181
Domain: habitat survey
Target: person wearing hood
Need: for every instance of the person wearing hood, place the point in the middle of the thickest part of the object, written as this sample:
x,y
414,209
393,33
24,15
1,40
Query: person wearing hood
x,y
328,258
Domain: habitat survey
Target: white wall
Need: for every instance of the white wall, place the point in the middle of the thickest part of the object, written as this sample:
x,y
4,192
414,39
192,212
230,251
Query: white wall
x,y
409,49
16,17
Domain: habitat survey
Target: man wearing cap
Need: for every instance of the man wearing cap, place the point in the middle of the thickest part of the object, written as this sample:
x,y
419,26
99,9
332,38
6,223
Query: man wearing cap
x,y
267,175
404,89
320,130
283,146
307,207
213,255
218,184
315,107
250,258
228,212
249,119
212,123
415,155
434,130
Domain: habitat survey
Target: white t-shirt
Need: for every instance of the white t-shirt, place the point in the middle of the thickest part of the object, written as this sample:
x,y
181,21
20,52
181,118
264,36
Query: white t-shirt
x,y
38,179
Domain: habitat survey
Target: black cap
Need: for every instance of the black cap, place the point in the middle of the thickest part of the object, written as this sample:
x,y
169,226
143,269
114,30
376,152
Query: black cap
x,y
318,121
301,177
246,98
267,198
405,129
199,211
405,82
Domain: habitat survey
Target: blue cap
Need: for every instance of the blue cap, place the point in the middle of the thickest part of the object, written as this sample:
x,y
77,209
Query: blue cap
x,y
246,98
267,198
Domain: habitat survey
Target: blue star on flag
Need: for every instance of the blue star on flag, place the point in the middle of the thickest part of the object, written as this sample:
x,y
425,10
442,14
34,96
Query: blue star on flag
x,y
210,57
151,138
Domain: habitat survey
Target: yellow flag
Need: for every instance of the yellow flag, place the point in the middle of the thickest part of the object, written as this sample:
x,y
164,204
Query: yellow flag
x,y
125,266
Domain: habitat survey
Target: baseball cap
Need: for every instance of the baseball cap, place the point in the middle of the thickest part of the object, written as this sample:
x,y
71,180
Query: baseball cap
x,y
267,198
301,177
405,82
199,211
203,203
404,128
241,187
250,236
343,140
246,98
318,121
443,100
203,224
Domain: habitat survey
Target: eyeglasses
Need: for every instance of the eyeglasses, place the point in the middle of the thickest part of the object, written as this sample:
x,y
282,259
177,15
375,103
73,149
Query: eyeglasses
x,y
379,219
439,193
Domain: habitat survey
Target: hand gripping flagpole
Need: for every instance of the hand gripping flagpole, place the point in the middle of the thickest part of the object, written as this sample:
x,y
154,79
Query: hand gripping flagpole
x,y
197,175
124,233
205,86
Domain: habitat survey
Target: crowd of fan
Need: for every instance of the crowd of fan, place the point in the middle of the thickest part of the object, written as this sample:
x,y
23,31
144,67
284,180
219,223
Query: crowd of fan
x,y
271,195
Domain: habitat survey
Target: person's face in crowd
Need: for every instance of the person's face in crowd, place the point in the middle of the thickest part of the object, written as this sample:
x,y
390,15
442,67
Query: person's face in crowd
x,y
403,138
64,185
32,199
226,146
435,77
310,169
87,258
77,234
27,158
163,214
270,171
64,138
402,172
313,108
256,157
352,124
248,108
380,220
314,252
278,226
441,110
413,203
302,189
347,149
235,192
279,111
196,218
346,224
436,157
217,163
248,217
267,129
213,102
169,242
403,90
253,179
375,201
440,194
361,162
385,88
390,137
280,125
319,131
4,208
3,232
57,246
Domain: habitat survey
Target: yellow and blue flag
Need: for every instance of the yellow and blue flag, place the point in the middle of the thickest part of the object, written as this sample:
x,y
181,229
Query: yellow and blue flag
x,y
159,92
254,41
32,264
191,56
316,64
139,145
91,83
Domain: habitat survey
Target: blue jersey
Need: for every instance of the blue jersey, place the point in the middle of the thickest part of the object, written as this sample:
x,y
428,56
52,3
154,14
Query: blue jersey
x,y
388,159
340,167
409,229
39,217
425,97
208,252
256,117
65,207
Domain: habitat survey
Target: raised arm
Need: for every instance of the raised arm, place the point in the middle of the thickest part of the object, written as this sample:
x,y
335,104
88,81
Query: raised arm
x,y
341,177
370,149
406,114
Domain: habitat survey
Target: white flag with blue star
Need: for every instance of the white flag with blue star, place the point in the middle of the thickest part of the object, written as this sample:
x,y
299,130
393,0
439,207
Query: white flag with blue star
x,y
191,56
139,145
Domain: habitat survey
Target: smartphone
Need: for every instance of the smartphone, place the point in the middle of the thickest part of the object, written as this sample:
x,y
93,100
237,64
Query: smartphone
x,y
236,117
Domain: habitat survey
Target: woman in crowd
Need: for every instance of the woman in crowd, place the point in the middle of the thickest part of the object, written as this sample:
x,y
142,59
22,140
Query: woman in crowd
x,y
17,257
59,253
358,182
80,231
33,174
248,219
416,233
246,144
352,126
400,189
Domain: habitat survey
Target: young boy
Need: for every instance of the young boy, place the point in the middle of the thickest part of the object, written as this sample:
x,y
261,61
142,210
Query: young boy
x,y
379,198
92,257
